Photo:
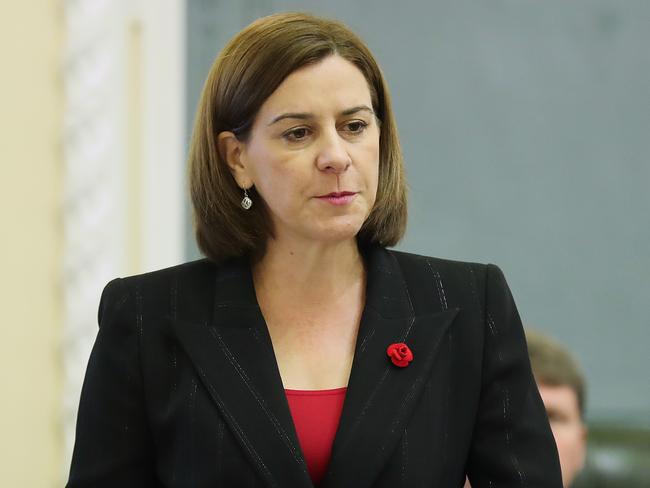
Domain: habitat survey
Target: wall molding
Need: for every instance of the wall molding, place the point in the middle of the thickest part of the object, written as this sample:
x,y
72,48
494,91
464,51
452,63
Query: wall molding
x,y
122,210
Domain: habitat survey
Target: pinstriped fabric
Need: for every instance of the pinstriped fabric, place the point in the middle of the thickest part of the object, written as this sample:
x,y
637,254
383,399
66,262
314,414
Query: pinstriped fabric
x,y
215,405
366,339
407,292
442,298
406,287
194,424
407,400
238,430
473,288
262,403
219,455
173,310
139,317
446,410
505,399
405,460
439,286
365,407
387,370
173,298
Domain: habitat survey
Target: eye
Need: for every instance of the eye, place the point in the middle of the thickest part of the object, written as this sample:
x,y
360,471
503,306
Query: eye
x,y
356,127
556,417
296,135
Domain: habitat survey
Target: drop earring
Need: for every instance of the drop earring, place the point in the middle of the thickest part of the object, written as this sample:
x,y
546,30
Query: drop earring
x,y
246,202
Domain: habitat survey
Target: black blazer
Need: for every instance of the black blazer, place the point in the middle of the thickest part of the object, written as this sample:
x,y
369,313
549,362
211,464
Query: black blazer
x,y
183,390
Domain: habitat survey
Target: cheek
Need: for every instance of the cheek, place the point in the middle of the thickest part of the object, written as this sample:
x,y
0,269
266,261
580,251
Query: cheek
x,y
569,441
369,159
279,184
263,167
573,438
559,435
374,184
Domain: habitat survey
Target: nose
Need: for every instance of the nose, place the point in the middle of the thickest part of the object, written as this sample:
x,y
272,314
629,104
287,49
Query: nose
x,y
333,156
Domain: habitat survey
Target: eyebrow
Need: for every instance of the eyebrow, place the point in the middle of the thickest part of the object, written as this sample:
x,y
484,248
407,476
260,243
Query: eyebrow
x,y
557,412
307,115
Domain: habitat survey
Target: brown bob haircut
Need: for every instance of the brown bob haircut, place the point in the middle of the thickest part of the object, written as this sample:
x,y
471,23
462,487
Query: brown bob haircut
x,y
246,72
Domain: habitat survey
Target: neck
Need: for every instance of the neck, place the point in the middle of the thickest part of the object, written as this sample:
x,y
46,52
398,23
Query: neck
x,y
309,274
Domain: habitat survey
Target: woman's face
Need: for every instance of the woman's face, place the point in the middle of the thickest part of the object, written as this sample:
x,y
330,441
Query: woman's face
x,y
313,153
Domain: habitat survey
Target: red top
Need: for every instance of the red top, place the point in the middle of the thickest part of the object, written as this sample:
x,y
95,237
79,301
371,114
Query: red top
x,y
316,415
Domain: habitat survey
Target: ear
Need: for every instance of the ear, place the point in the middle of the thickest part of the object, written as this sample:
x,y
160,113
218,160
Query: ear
x,y
232,150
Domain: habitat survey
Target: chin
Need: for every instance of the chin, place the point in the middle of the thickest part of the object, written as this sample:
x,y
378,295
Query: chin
x,y
338,232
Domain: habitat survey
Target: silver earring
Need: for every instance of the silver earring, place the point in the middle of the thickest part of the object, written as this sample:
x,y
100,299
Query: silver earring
x,y
246,202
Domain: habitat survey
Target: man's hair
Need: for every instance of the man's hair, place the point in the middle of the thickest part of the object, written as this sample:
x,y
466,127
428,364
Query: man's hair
x,y
553,365
246,72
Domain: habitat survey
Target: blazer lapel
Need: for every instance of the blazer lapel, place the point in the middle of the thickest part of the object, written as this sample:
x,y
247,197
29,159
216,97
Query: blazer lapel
x,y
235,361
380,395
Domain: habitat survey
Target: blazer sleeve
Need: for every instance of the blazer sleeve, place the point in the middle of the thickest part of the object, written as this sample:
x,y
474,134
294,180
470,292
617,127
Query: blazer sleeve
x,y
113,443
512,445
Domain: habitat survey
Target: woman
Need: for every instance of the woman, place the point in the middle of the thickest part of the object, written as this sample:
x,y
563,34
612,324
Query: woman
x,y
302,352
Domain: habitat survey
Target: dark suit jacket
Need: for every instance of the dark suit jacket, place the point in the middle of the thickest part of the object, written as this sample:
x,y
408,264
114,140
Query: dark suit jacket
x,y
183,390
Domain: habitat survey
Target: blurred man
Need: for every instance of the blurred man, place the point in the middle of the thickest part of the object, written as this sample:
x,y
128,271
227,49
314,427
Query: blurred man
x,y
562,388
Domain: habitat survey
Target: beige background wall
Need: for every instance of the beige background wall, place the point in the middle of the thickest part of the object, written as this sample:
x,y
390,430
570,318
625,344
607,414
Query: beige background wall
x,y
30,247
138,198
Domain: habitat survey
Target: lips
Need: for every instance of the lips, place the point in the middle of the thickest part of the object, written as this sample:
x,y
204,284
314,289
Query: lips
x,y
338,194
338,198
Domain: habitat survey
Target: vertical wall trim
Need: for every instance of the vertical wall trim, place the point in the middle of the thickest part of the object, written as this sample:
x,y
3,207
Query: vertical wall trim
x,y
123,74
163,171
93,209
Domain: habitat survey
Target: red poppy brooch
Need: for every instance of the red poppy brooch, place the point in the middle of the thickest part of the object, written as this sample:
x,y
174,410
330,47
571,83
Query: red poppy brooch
x,y
400,354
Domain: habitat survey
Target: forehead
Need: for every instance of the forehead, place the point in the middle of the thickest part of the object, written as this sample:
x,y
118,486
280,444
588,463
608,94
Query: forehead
x,y
331,85
559,397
